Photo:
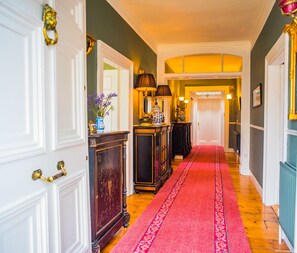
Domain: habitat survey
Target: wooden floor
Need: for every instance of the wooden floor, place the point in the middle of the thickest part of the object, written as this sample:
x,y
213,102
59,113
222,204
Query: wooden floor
x,y
260,222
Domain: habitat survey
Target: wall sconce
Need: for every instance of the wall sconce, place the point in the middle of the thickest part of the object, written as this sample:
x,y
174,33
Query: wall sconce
x,y
90,43
181,108
229,96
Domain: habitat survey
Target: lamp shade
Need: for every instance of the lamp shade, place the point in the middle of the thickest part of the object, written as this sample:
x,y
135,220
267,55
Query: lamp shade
x,y
146,82
163,91
288,7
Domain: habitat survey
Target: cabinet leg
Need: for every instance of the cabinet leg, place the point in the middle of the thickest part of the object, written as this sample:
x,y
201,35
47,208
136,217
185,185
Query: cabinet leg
x,y
95,247
126,219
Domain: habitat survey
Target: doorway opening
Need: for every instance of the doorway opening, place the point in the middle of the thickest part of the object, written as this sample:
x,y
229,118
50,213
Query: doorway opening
x,y
115,74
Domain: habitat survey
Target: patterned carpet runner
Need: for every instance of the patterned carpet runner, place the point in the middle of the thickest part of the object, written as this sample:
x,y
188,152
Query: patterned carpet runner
x,y
195,211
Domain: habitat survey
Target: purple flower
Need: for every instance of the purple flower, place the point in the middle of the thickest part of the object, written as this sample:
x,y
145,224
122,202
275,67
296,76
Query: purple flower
x,y
100,105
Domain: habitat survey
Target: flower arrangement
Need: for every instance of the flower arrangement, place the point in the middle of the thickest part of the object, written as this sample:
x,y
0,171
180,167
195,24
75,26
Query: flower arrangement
x,y
100,105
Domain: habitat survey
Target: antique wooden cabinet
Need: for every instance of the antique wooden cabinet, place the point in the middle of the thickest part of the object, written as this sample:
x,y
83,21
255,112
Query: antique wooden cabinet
x,y
107,164
152,157
181,139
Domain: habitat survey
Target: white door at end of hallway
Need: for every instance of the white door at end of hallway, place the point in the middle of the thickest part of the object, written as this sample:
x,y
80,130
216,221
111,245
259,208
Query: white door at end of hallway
x,y
43,122
210,115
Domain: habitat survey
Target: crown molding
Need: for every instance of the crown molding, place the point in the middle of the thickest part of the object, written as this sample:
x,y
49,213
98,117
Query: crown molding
x,y
261,21
215,47
132,22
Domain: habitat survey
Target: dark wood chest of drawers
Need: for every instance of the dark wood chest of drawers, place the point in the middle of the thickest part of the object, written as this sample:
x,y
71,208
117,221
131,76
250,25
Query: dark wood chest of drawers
x,y
152,157
181,139
107,172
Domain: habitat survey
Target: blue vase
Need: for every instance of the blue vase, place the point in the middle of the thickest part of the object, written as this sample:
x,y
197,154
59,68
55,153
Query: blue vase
x,y
99,124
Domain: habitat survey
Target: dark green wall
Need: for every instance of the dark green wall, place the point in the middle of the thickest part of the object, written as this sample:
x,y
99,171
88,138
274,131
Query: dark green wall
x,y
268,37
105,24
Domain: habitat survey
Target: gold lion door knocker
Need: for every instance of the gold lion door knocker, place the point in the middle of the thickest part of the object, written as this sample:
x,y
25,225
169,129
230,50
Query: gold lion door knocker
x,y
49,18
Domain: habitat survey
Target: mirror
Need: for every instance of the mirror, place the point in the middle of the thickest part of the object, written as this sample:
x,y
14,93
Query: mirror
x,y
291,29
144,104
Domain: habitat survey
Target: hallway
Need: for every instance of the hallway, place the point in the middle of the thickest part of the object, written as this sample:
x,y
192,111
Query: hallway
x,y
260,222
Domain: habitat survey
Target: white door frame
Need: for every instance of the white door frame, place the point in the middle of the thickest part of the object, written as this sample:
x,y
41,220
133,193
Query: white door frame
x,y
125,96
276,95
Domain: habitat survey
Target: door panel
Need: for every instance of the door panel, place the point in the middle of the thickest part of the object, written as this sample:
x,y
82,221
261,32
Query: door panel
x,y
210,122
216,122
110,85
21,42
204,119
43,121
68,93
72,196
27,219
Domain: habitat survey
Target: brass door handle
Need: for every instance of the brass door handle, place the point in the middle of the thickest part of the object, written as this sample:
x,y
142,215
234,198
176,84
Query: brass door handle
x,y
37,174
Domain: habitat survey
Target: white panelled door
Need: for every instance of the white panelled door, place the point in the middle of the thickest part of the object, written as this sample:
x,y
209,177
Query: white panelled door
x,y
42,108
210,122
110,85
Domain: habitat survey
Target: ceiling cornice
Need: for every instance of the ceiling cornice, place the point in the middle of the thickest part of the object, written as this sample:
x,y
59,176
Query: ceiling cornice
x,y
262,20
132,21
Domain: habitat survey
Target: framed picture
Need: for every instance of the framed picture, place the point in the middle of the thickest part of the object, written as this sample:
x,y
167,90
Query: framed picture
x,y
257,96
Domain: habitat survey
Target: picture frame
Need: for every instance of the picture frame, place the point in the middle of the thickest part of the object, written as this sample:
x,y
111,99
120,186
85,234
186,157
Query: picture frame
x,y
257,96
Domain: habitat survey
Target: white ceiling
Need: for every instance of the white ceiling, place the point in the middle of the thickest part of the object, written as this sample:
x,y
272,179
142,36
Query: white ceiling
x,y
194,21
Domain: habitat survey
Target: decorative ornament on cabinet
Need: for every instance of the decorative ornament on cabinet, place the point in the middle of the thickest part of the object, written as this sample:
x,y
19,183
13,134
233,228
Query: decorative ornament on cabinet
x,y
100,106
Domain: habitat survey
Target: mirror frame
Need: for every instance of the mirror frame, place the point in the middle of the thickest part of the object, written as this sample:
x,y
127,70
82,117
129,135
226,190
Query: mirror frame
x,y
291,29
141,109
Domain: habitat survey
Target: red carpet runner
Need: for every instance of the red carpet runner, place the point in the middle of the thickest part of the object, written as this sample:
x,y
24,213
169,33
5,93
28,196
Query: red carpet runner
x,y
195,211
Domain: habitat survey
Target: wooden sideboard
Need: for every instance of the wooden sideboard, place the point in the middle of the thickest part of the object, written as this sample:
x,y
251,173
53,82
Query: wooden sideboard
x,y
181,139
107,172
152,157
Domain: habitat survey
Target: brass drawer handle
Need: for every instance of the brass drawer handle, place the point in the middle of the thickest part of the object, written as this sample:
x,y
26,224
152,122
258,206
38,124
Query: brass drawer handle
x,y
37,174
